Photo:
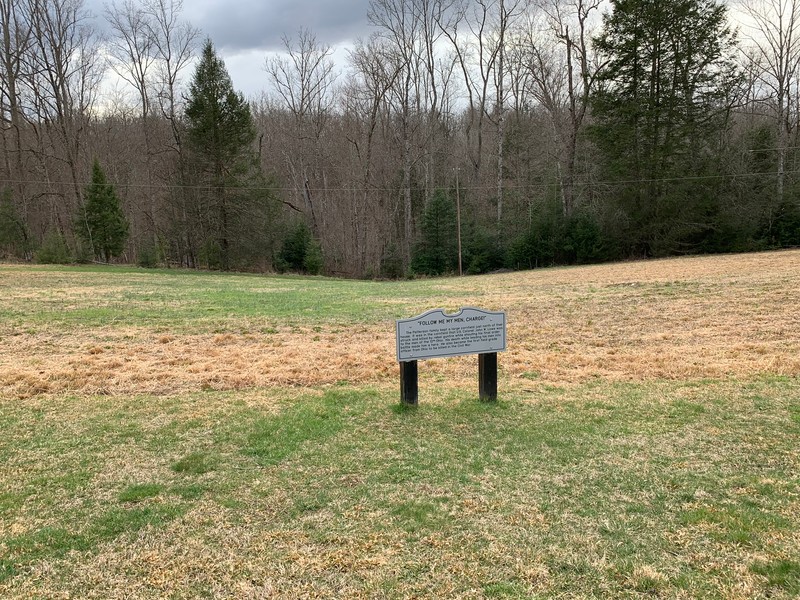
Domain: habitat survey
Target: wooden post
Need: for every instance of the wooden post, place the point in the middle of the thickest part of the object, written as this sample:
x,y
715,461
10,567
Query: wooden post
x,y
408,382
487,376
458,221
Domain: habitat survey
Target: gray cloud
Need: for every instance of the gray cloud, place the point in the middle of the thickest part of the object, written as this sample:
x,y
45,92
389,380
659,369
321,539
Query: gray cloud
x,y
245,31
240,25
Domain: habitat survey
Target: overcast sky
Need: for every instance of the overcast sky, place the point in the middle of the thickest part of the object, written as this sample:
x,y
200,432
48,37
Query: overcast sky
x,y
245,31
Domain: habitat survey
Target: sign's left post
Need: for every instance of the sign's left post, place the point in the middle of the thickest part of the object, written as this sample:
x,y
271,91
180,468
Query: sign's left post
x,y
408,382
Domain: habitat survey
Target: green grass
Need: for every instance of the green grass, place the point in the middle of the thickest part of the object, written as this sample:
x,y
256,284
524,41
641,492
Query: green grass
x,y
195,463
674,489
780,574
274,438
607,490
180,300
139,492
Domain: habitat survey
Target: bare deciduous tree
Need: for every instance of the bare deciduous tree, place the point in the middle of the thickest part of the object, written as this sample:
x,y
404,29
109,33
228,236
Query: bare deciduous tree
x,y
131,55
775,37
478,32
561,71
131,48
64,79
174,43
303,80
14,46
400,30
410,32
374,71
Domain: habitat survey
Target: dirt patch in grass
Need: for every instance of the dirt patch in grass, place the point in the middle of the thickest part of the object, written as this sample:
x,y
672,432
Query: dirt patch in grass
x,y
704,317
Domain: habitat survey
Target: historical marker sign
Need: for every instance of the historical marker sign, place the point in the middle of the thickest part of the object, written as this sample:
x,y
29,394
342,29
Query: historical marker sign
x,y
435,334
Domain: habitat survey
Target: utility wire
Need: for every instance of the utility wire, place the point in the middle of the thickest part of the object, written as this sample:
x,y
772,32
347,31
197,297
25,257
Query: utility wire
x,y
510,187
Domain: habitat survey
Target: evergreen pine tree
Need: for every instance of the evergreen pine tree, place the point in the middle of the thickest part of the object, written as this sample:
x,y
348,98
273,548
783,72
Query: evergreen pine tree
x,y
660,105
101,222
230,202
437,251
14,239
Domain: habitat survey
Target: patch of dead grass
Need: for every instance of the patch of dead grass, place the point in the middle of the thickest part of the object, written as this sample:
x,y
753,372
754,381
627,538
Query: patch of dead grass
x,y
704,317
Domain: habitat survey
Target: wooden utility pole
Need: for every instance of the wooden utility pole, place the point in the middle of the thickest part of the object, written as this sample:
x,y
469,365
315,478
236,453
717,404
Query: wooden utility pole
x,y
458,223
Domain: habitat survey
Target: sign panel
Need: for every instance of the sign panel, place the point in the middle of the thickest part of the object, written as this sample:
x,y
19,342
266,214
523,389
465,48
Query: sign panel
x,y
435,334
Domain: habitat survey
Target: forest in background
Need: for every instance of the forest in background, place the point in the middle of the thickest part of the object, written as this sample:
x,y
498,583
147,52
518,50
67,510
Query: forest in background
x,y
548,132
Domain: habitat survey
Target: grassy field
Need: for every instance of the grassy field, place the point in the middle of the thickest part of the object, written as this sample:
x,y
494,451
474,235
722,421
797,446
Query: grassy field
x,y
179,435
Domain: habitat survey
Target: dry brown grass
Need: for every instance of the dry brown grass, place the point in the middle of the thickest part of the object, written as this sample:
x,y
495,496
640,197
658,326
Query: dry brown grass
x,y
548,514
724,316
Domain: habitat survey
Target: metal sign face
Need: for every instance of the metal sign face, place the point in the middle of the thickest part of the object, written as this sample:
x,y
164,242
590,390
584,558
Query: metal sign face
x,y
435,334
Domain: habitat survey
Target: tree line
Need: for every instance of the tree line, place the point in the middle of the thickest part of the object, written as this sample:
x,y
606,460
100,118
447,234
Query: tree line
x,y
461,134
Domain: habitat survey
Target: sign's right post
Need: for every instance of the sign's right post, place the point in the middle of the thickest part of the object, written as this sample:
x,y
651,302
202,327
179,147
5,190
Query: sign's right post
x,y
487,376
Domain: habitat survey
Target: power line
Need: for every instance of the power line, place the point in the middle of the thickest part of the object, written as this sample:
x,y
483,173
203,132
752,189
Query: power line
x,y
509,187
